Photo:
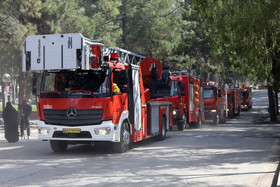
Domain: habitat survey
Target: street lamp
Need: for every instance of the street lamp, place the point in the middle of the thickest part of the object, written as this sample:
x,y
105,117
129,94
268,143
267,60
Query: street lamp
x,y
6,78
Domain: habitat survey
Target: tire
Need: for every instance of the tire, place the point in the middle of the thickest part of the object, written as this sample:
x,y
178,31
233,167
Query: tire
x,y
182,123
231,115
216,119
199,121
223,120
125,139
162,135
238,111
58,146
192,125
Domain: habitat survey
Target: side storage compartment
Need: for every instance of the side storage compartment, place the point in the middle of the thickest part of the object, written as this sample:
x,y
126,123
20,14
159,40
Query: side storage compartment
x,y
159,119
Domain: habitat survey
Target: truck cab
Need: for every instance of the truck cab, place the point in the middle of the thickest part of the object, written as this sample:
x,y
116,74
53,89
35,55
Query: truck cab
x,y
214,103
246,96
89,93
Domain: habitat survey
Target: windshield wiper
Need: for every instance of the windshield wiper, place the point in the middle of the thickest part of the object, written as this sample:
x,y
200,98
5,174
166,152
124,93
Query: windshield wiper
x,y
83,91
57,92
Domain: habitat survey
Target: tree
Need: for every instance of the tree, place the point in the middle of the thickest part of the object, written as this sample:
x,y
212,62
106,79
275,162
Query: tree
x,y
244,39
152,28
18,19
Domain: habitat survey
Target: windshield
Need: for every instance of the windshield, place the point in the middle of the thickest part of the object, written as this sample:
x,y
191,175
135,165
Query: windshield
x,y
244,95
208,93
174,90
76,83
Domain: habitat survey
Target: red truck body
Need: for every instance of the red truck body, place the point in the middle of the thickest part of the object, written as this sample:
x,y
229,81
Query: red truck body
x,y
246,96
193,100
214,103
86,98
235,101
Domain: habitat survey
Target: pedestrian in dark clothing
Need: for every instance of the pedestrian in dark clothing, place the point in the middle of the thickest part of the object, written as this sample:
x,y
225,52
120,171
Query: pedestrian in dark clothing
x,y
25,111
10,116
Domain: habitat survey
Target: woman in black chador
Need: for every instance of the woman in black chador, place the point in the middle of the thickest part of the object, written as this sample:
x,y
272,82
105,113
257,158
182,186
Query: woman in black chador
x,y
10,116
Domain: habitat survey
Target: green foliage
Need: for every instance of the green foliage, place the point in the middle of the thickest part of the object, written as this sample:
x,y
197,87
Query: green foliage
x,y
244,36
18,19
167,30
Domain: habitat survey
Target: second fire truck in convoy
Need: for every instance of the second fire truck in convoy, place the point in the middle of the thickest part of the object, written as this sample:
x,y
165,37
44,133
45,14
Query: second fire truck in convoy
x,y
246,96
193,99
187,98
214,103
89,93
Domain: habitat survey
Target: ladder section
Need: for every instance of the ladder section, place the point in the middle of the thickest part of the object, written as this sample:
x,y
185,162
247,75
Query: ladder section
x,y
125,57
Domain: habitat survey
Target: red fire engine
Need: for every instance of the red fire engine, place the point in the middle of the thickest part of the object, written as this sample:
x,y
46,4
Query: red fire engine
x,y
246,96
89,93
214,103
176,95
193,99
230,103
234,97
190,108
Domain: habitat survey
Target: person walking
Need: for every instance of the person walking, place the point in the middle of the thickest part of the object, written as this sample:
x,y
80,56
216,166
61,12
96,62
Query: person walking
x,y
10,116
25,112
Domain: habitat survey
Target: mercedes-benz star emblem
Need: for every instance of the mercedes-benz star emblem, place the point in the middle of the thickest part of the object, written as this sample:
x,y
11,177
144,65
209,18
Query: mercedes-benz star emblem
x,y
71,113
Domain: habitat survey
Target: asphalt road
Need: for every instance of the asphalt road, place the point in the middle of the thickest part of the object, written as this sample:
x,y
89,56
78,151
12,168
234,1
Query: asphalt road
x,y
241,152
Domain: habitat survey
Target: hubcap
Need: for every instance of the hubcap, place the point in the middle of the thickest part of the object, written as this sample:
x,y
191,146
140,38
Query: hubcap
x,y
184,118
126,137
163,130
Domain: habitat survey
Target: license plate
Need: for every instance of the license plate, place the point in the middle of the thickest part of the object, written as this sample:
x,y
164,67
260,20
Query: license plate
x,y
71,130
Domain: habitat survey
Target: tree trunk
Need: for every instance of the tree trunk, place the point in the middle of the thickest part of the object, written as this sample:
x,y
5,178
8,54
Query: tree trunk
x,y
3,96
272,104
124,24
276,100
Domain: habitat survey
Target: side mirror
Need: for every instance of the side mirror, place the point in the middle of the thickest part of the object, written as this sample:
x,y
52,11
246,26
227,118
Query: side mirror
x,y
219,93
124,89
124,77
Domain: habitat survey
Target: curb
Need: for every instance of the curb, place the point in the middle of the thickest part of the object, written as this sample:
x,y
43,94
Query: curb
x,y
276,178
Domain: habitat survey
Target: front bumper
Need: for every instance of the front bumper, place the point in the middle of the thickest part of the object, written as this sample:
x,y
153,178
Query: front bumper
x,y
51,132
244,106
210,114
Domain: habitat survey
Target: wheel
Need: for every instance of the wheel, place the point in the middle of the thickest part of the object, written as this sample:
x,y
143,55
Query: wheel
x,y
180,125
216,118
199,122
58,146
125,139
223,119
162,135
238,111
231,114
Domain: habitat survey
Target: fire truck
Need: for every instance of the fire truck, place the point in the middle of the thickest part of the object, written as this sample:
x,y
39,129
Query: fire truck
x,y
89,93
176,95
215,104
189,108
193,99
246,96
234,97
230,103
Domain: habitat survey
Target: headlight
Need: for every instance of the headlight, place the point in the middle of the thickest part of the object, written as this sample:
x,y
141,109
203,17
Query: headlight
x,y
43,130
213,110
174,112
102,130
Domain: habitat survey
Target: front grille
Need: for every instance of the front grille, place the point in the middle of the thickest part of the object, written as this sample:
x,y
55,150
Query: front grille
x,y
60,134
207,104
83,117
